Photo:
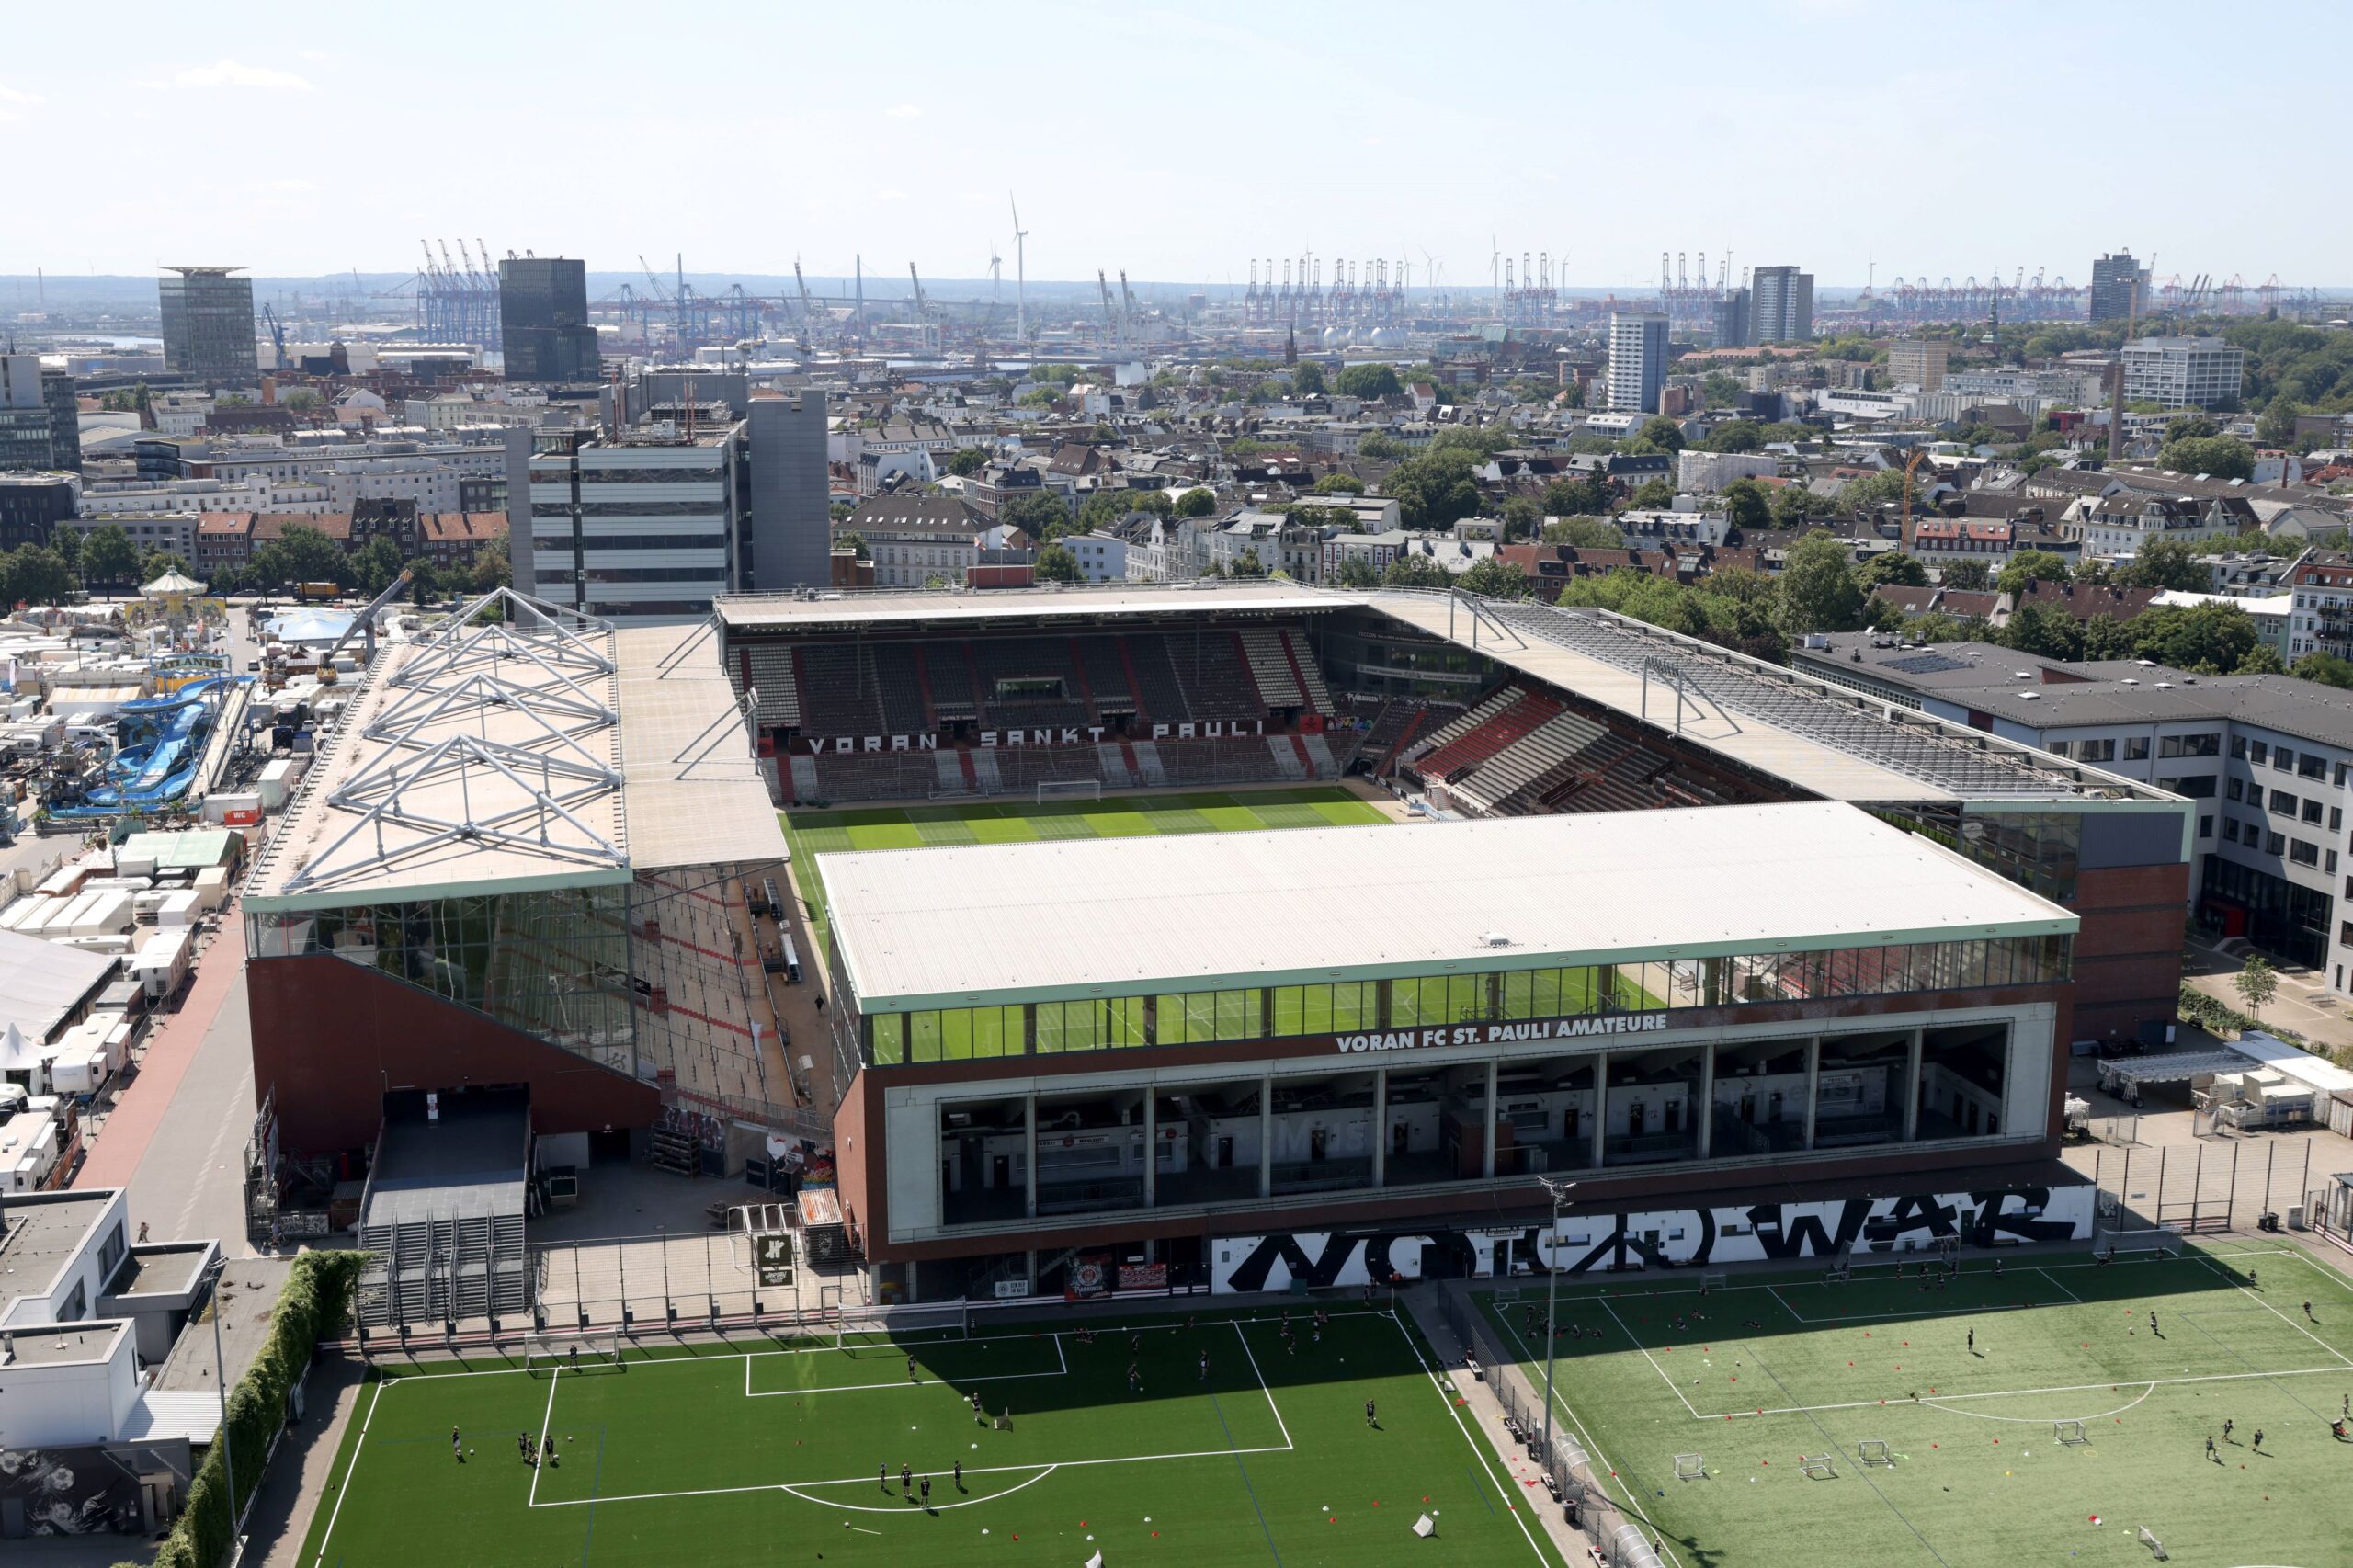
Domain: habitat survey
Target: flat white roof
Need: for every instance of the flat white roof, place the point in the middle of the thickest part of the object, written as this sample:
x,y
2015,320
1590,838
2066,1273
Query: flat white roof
x,y
944,927
868,607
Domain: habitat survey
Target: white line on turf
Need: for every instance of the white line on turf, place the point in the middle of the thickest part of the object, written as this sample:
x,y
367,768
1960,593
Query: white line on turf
x,y
2058,1287
750,1393
2275,1312
2038,1420
546,1421
1478,1449
795,1488
1751,1413
357,1449
1262,1384
866,1480
1650,1358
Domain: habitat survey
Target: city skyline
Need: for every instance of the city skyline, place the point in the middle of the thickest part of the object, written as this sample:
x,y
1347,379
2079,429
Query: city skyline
x,y
1151,141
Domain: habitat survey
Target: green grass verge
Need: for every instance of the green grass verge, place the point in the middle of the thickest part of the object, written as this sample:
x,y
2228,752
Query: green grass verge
x,y
813,833
759,1453
1979,1479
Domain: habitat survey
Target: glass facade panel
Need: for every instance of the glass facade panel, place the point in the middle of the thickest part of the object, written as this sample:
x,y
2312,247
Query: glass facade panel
x,y
1964,1072
1861,1091
1545,1115
984,1160
1090,1152
1209,1143
1322,1133
1654,1105
1432,1121
1759,1098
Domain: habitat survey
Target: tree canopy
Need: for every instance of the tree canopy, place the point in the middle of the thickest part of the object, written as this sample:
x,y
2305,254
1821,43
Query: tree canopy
x,y
2223,457
1369,383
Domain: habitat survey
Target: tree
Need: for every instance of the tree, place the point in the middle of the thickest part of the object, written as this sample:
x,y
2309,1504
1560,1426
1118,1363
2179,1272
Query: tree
x,y
1415,572
2258,983
301,400
1307,378
1818,588
2208,639
1652,495
2042,629
1522,517
1792,504
2262,659
1056,564
841,511
1387,448
1040,513
1339,484
965,461
2165,564
1197,502
1495,578
1746,505
2220,457
1369,383
1872,490
35,574
2191,428
1660,434
1585,533
491,567
1970,576
2032,566
66,541
1734,436
311,556
1577,495
108,558
851,540
1247,563
375,565
267,567
159,562
2326,669
1356,571
2276,427
1894,568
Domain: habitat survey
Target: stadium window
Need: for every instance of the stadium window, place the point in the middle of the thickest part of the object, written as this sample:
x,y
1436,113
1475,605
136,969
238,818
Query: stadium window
x,y
2311,812
1356,1005
886,1039
2312,766
2136,748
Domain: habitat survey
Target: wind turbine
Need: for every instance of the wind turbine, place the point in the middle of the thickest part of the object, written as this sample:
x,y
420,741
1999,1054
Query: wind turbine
x,y
1020,273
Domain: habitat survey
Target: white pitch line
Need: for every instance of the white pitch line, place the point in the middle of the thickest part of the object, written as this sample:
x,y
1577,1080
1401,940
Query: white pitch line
x,y
928,1508
2060,1287
1262,1385
2041,1420
546,1421
357,1449
2283,1317
896,1384
1752,1413
1478,1449
1650,1358
861,1480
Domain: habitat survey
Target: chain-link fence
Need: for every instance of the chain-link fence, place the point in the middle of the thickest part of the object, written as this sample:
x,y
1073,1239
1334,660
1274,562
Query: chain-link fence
x,y
2212,1185
734,1274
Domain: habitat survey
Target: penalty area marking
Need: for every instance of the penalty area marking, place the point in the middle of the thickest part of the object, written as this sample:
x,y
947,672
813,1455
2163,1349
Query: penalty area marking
x,y
1751,1413
928,1508
1062,1369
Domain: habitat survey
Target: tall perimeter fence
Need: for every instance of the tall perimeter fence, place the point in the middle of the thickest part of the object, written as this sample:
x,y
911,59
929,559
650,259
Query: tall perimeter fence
x,y
2215,1184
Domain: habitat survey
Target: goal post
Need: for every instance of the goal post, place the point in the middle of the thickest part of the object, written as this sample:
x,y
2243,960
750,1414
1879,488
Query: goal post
x,y
2070,1433
1690,1466
1818,1467
2157,1547
1069,789
1711,1280
2112,1244
1872,1452
575,1350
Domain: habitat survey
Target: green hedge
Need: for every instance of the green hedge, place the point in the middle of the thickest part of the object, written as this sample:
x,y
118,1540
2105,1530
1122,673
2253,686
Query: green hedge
x,y
311,1307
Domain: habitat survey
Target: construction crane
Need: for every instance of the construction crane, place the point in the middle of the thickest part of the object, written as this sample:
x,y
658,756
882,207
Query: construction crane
x,y
925,330
808,318
1110,323
277,337
1127,305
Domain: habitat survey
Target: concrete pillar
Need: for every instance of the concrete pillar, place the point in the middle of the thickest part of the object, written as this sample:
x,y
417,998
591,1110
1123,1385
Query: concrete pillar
x,y
1380,1127
1813,1082
1266,1136
1029,1163
1151,1147
1600,1102
1706,1108
1912,1085
1488,1158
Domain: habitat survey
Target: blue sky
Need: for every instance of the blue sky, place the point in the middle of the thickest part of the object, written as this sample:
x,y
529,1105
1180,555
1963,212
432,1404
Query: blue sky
x,y
1178,141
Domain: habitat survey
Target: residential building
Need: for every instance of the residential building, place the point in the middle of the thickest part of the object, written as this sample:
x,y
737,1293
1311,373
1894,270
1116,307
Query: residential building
x,y
209,324
1704,474
2125,523
2322,618
1732,320
544,332
2120,288
634,526
1102,557
915,540
2071,388
2183,372
1780,304
40,425
32,505
1637,360
1918,362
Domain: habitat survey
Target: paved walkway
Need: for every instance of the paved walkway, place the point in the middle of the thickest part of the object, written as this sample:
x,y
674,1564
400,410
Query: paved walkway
x,y
131,1125
2304,1005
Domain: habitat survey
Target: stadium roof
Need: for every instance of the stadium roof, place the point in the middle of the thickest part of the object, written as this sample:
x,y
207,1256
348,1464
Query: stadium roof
x,y
866,609
1838,743
1070,918
519,745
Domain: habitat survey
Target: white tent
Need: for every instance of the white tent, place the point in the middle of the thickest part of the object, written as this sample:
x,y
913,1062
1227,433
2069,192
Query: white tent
x,y
16,1056
172,586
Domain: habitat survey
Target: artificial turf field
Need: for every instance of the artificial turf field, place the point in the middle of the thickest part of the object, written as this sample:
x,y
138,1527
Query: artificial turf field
x,y
1008,820
1758,1375
762,1451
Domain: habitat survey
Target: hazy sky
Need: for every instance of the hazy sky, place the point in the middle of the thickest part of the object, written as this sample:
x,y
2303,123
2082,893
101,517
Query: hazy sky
x,y
1178,141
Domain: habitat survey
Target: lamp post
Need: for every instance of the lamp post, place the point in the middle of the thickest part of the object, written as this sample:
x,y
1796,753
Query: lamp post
x,y
221,1378
1559,1192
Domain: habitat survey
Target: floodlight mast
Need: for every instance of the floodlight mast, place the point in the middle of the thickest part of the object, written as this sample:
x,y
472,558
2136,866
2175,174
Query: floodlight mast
x,y
1558,1190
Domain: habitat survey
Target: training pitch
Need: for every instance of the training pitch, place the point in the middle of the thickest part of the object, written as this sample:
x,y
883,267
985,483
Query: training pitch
x,y
1771,1370
1008,820
765,1451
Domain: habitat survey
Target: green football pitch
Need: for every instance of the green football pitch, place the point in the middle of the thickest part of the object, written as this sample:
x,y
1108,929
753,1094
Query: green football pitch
x,y
1233,1447
1756,1377
813,833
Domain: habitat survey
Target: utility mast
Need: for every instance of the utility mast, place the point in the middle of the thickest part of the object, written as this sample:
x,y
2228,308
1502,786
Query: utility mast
x,y
1020,273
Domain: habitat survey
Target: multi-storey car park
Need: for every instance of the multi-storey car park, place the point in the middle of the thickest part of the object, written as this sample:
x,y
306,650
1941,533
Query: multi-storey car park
x,y
1823,950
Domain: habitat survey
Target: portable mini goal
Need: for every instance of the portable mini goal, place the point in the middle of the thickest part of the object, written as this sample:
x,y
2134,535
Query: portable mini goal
x,y
2157,1547
1872,1452
1690,1466
2116,1245
1069,789
1818,1467
2071,1433
576,1351
1711,1280
1949,1252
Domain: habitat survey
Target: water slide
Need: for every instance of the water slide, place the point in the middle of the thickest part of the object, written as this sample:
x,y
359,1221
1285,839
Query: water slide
x,y
157,769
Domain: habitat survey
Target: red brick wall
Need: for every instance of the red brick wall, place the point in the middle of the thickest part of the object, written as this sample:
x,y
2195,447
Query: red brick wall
x,y
2128,956
330,1038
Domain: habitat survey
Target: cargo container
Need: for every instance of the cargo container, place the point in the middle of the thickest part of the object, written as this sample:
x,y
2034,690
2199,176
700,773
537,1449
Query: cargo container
x,y
162,965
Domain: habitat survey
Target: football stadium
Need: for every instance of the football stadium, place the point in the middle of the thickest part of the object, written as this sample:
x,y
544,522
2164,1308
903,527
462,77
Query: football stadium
x,y
1046,954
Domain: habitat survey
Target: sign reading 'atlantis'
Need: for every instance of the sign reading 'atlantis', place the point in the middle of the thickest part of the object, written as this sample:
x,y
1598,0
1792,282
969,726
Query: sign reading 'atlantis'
x,y
1489,1034
1060,736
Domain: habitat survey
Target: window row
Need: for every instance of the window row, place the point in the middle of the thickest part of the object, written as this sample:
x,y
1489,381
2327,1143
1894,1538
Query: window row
x,y
1250,1013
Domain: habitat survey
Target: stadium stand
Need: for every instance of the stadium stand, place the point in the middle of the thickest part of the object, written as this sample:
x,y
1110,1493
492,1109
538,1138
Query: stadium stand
x,y
1155,683
836,697
1463,752
1216,682
768,669
1028,681
1555,741
1270,668
1106,675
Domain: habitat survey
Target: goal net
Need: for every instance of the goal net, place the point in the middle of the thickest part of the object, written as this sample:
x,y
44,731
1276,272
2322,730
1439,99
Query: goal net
x,y
2069,1432
1069,789
2155,1546
1872,1452
579,1349
2113,1244
887,1330
1713,1280
1688,1467
1818,1467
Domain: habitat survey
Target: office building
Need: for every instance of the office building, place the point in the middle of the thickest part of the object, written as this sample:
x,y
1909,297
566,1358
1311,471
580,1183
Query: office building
x,y
791,520
1918,362
1637,360
2183,372
2120,288
209,324
641,525
33,504
543,320
40,425
1780,304
1732,320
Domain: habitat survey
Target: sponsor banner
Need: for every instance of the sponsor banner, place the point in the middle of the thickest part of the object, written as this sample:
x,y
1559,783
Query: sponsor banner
x,y
1143,1276
1052,735
1495,1034
1088,1277
772,1259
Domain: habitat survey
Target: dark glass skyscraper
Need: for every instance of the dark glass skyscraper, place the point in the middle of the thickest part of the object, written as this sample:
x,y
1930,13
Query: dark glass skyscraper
x,y
543,320
2116,280
209,324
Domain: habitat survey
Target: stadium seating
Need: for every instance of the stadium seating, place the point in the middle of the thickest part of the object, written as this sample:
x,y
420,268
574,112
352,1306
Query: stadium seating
x,y
1216,682
836,695
1555,741
1105,676
1004,660
892,669
1482,741
1319,696
771,671
1157,685
1270,668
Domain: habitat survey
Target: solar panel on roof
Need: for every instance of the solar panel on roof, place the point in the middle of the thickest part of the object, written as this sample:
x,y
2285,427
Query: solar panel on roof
x,y
1927,664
